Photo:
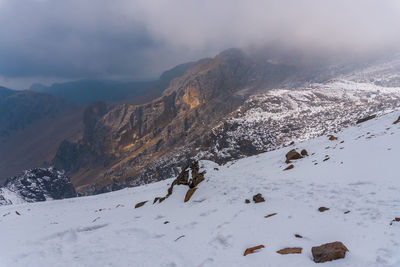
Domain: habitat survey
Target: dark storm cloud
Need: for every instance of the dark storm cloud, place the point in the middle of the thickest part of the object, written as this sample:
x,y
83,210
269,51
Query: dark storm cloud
x,y
70,39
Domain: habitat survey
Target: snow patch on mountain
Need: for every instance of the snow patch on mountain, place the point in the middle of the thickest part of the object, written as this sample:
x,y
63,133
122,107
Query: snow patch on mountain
x,y
277,118
39,184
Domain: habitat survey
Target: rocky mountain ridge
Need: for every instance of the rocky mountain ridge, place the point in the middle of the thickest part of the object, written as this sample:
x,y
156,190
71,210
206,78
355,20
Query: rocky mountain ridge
x,y
34,185
222,108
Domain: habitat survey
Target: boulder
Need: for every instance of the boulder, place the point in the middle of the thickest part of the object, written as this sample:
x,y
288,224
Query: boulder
x,y
252,249
258,198
190,193
332,138
290,251
304,152
329,252
247,201
322,209
138,205
298,236
292,155
291,166
397,121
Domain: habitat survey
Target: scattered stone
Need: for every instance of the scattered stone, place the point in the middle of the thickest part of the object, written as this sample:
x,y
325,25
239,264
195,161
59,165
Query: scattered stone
x,y
342,141
258,198
138,205
366,119
270,215
304,152
189,194
179,237
326,158
397,219
298,236
290,251
16,212
216,169
329,252
166,222
322,209
347,211
292,155
332,138
252,249
291,166
397,121
247,201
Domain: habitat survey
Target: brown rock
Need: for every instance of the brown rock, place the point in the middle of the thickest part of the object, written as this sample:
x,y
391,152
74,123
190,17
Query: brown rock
x,y
16,212
258,198
190,193
397,121
322,209
347,211
329,252
252,249
290,251
304,152
270,215
138,205
247,201
291,166
298,236
332,138
366,119
292,155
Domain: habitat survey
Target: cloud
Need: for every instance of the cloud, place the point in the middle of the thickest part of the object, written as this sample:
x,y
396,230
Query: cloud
x,y
135,39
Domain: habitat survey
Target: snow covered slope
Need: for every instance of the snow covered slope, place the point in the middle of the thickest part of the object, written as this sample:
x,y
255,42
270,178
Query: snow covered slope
x,y
216,226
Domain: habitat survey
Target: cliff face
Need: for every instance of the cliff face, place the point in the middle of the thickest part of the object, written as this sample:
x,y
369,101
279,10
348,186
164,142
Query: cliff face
x,y
128,143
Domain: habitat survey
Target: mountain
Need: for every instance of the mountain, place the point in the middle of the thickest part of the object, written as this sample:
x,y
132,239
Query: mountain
x,y
36,185
223,108
122,142
89,91
345,190
19,109
32,125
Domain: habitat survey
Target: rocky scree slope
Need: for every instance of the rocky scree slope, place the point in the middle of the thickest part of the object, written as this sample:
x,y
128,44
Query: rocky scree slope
x,y
39,184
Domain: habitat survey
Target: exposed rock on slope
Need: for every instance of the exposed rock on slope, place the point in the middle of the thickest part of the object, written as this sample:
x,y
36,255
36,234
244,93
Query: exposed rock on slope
x,y
131,143
279,117
36,185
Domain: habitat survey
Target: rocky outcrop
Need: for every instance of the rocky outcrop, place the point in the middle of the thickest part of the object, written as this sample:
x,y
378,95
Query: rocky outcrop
x,y
293,155
370,117
329,252
38,184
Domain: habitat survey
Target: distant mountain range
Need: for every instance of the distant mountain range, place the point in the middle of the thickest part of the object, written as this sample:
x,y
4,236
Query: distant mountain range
x,y
33,123
89,91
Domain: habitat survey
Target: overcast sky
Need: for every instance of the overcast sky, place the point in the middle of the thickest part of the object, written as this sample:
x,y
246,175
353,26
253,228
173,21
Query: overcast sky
x,y
56,40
